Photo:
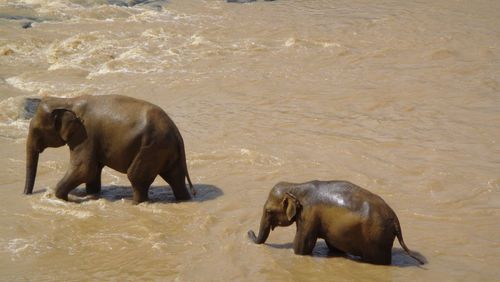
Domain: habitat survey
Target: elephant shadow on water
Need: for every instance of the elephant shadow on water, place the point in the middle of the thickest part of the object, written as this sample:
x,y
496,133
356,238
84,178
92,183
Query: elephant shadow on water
x,y
399,257
113,193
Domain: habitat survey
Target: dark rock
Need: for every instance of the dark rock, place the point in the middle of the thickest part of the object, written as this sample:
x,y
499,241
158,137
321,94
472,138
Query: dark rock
x,y
30,106
25,20
26,25
16,18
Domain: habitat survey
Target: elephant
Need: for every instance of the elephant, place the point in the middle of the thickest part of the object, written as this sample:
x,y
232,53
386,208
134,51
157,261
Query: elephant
x,y
129,135
349,218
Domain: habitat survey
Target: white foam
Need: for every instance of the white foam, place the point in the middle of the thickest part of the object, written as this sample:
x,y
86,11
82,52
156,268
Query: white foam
x,y
245,152
60,207
106,69
233,156
116,180
152,208
18,245
155,33
62,211
147,16
311,42
135,60
290,42
257,158
197,40
9,109
330,44
12,124
30,86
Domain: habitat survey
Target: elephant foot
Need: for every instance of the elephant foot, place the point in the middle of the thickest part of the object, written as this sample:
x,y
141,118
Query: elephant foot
x,y
183,197
139,197
93,191
136,202
181,193
61,195
94,196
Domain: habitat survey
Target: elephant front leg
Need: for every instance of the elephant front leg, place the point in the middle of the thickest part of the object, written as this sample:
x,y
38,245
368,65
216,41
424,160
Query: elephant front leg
x,y
70,181
140,192
305,239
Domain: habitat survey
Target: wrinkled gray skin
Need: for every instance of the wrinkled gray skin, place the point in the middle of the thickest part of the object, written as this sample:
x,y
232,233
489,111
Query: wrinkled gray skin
x,y
349,218
129,135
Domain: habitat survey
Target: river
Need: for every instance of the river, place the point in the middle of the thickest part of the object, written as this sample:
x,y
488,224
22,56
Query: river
x,y
399,97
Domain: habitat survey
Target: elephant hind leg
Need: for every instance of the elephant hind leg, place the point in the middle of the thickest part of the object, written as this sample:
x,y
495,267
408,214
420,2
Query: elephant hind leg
x,y
175,177
140,186
93,187
333,249
142,172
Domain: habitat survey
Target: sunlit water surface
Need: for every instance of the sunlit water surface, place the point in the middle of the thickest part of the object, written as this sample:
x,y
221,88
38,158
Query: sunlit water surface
x,y
400,97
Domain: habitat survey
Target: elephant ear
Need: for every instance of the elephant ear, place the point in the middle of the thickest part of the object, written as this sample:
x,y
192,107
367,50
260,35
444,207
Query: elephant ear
x,y
67,124
291,204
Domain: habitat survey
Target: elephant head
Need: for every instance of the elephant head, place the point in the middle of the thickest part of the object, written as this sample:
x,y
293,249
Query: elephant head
x,y
280,209
53,125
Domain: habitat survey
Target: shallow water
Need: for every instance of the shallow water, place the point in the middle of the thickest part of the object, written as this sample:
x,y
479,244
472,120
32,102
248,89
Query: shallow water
x,y
400,98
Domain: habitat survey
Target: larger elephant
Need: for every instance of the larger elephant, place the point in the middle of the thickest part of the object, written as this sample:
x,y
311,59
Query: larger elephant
x,y
126,134
349,218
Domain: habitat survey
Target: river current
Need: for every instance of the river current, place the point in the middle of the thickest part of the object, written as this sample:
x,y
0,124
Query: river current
x,y
399,97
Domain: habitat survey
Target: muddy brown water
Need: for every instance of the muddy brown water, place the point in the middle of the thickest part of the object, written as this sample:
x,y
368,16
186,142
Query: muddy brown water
x,y
399,97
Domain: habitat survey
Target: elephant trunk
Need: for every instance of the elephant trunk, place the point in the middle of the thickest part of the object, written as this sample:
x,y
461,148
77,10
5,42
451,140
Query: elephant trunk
x,y
264,230
32,154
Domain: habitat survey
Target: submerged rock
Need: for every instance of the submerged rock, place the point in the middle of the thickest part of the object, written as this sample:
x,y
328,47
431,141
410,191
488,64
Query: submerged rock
x,y
30,106
26,25
18,17
26,21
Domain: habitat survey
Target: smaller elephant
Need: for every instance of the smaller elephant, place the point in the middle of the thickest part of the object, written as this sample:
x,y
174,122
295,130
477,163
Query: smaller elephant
x,y
349,218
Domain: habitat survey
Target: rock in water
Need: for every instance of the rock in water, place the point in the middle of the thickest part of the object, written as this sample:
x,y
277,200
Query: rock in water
x,y
30,106
26,25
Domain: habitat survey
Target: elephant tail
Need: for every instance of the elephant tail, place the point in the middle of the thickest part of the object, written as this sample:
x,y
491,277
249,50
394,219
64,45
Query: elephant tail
x,y
193,191
399,234
184,162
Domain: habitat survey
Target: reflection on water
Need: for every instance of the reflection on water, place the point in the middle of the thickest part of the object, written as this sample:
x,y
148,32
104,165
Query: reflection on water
x,y
400,98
